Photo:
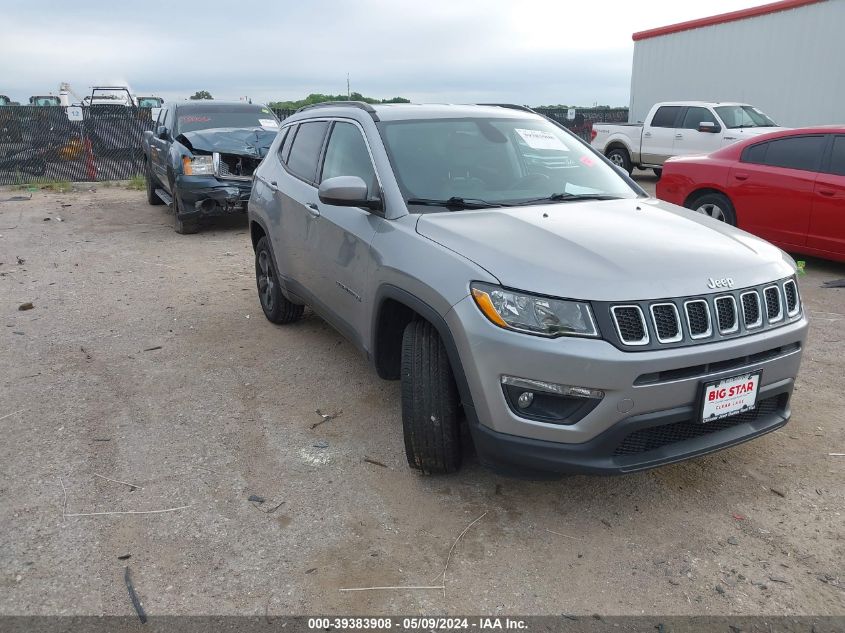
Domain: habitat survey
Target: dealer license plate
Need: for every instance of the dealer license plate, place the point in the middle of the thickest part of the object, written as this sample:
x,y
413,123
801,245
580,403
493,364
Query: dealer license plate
x,y
729,396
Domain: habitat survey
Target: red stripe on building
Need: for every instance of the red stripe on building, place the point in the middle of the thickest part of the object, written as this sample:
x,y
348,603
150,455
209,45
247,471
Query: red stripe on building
x,y
722,18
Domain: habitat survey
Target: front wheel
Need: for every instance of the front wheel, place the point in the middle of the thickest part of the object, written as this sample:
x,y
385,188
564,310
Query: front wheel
x,y
276,307
716,205
619,156
430,402
181,225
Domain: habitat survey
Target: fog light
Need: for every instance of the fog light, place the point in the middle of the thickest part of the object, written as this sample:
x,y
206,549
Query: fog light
x,y
550,387
525,399
548,401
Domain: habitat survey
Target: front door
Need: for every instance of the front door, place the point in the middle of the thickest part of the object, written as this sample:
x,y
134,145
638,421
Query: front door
x,y
343,235
688,138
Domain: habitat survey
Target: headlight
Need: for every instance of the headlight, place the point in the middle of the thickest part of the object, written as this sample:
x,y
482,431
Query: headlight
x,y
532,314
198,166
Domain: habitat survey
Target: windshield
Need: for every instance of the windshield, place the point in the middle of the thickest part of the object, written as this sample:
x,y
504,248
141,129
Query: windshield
x,y
744,116
495,160
194,119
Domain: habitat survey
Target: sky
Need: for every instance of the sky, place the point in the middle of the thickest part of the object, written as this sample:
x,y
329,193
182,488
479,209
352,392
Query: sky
x,y
535,52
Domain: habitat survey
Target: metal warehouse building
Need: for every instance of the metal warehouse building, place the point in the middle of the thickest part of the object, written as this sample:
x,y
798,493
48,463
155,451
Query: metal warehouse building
x,y
787,58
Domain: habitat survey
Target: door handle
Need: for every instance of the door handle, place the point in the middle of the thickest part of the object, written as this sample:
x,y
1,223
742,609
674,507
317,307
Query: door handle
x,y
827,192
741,176
647,134
273,185
313,209
679,136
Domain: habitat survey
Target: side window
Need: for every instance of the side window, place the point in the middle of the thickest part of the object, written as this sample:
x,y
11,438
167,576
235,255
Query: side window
x,y
755,154
797,152
162,116
837,156
665,116
347,155
284,149
305,151
696,115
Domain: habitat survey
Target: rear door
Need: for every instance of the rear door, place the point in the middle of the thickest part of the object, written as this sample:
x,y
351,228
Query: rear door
x,y
659,135
343,234
688,138
827,223
296,206
772,187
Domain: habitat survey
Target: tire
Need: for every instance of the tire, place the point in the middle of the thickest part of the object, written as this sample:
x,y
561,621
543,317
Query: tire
x,y
180,225
276,307
151,182
716,205
619,156
658,171
430,402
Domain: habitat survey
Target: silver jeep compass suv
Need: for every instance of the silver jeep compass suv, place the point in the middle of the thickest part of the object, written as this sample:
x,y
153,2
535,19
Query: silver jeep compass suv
x,y
511,277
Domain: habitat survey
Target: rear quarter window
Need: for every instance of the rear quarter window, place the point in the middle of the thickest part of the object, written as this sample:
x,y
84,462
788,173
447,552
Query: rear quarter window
x,y
754,153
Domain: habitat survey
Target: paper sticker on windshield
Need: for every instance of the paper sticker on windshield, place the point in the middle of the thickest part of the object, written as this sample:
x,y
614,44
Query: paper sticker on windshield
x,y
268,123
538,139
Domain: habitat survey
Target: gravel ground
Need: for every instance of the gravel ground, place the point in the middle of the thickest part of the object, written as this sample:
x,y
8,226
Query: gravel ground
x,y
146,359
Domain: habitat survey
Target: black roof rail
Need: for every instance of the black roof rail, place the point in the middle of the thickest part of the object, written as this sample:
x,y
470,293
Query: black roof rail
x,y
511,106
349,104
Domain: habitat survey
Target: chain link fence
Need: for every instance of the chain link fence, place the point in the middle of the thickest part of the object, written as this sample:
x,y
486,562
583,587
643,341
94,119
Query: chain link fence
x,y
104,142
79,143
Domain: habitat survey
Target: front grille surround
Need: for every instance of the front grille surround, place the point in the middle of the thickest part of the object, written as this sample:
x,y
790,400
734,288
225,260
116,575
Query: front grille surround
x,y
726,305
746,299
772,299
694,328
701,319
661,319
623,323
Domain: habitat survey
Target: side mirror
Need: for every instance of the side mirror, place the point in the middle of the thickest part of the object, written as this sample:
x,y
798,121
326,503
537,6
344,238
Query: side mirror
x,y
708,126
161,132
347,191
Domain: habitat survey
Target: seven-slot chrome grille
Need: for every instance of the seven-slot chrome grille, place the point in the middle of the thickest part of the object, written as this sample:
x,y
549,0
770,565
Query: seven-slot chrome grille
x,y
692,320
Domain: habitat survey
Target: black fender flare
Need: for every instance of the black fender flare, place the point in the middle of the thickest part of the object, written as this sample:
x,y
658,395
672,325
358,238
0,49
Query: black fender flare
x,y
389,291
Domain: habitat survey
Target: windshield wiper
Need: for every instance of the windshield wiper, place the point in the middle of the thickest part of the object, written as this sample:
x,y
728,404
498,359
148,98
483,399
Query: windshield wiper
x,y
455,202
566,197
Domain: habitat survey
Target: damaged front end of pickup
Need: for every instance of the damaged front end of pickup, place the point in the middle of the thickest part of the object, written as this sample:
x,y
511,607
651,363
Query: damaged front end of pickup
x,y
217,169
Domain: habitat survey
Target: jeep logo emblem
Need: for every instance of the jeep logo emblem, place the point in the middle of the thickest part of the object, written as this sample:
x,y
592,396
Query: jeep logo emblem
x,y
724,282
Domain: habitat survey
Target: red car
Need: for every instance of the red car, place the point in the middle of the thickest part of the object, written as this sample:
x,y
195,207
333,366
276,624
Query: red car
x,y
787,187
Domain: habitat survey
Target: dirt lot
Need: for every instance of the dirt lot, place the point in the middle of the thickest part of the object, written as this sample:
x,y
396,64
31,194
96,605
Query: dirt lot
x,y
146,359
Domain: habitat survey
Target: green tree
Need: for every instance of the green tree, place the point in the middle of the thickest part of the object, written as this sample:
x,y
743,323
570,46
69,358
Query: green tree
x,y
322,98
201,94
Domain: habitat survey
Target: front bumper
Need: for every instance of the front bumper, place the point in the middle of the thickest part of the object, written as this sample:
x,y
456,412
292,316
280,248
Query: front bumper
x,y
206,196
631,403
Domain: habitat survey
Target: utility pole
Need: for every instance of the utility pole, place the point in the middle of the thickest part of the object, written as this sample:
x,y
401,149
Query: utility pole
x,y
348,94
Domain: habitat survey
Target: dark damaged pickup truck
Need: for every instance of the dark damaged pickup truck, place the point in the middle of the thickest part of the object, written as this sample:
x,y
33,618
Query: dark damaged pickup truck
x,y
201,156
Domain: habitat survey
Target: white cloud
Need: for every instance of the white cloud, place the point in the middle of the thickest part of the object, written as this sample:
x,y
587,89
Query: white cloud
x,y
535,52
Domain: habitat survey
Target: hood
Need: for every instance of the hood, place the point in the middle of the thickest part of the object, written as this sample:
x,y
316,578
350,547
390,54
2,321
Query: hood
x,y
750,132
230,140
614,250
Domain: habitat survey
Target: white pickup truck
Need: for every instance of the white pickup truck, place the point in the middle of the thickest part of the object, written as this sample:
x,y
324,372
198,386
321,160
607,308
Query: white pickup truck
x,y
676,128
